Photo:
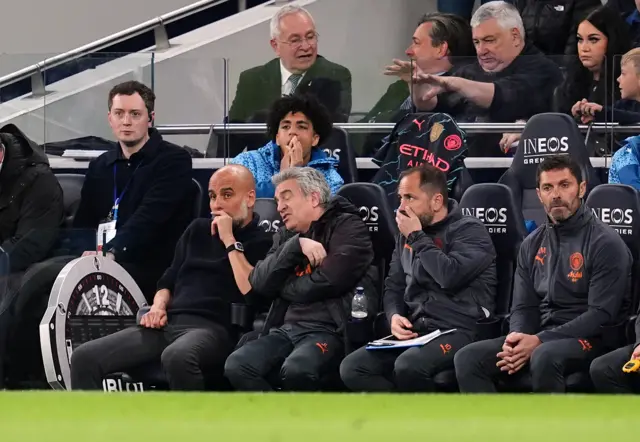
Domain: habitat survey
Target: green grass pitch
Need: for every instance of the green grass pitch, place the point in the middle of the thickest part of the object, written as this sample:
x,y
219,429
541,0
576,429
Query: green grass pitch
x,y
231,417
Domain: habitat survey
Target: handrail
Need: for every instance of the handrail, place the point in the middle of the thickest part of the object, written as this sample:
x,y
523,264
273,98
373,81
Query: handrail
x,y
205,129
157,24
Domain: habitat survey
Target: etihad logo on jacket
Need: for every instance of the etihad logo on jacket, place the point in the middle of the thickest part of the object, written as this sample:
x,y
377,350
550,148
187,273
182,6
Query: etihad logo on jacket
x,y
541,255
576,262
420,156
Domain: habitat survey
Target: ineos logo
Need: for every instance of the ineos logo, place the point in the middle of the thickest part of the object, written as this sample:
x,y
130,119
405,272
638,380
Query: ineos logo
x,y
495,219
333,153
545,146
370,217
616,217
270,226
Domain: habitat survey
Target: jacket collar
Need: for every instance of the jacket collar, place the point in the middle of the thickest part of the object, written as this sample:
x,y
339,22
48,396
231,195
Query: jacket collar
x,y
453,215
318,157
575,222
149,150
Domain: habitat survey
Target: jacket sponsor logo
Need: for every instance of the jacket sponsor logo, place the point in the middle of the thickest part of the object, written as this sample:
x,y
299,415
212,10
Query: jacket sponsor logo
x,y
537,149
620,219
335,153
453,142
494,219
301,271
370,217
576,262
436,131
270,226
421,155
541,255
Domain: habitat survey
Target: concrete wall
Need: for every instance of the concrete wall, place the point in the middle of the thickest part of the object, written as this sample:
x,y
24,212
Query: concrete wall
x,y
189,78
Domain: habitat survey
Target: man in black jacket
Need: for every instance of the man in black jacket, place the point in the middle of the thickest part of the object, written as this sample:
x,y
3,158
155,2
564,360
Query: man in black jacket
x,y
140,194
492,89
572,279
606,371
188,327
442,277
315,263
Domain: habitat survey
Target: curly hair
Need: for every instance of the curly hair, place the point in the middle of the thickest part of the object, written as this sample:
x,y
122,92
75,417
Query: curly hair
x,y
304,104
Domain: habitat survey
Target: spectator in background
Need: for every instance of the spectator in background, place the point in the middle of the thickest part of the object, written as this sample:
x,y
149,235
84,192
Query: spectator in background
x,y
492,89
573,276
624,7
630,12
314,265
442,276
551,25
296,125
297,68
140,195
440,42
601,37
188,327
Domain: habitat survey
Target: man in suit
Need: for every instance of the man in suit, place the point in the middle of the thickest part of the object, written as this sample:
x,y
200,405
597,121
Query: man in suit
x,y
297,68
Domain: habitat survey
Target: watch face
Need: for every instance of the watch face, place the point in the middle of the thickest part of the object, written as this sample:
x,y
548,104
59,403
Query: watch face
x,y
99,294
239,247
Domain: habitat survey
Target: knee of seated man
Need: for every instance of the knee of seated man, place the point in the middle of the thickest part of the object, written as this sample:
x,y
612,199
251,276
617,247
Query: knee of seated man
x,y
544,356
295,370
465,359
408,366
84,356
174,357
600,368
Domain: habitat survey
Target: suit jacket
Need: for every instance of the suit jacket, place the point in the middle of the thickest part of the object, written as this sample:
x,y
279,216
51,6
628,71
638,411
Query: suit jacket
x,y
260,86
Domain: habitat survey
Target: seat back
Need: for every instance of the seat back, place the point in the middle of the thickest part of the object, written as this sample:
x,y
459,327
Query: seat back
x,y
377,215
71,184
618,206
338,147
267,209
198,198
545,135
494,205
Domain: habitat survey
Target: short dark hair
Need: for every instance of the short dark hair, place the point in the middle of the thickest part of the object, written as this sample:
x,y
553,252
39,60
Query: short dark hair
x,y
305,104
131,88
559,162
453,30
431,179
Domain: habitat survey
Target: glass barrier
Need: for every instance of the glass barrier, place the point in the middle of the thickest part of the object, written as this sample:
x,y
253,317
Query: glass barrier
x,y
192,90
76,106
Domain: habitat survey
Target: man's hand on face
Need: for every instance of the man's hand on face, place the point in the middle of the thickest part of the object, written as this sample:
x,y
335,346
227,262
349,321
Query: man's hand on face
x,y
517,351
400,328
222,225
313,250
296,155
408,223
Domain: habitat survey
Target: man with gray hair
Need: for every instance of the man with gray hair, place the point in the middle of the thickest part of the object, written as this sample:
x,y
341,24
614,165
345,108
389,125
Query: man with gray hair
x,y
297,68
317,259
510,81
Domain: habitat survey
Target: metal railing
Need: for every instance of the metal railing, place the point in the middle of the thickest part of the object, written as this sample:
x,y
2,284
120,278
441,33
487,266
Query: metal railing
x,y
157,24
470,128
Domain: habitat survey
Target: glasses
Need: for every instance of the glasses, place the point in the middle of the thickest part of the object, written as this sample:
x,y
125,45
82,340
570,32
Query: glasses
x,y
297,42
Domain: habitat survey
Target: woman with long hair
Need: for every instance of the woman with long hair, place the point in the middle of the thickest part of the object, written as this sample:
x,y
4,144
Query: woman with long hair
x,y
602,38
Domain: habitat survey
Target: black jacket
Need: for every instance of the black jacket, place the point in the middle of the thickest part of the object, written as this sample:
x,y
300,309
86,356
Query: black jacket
x,y
551,25
31,204
323,294
154,211
443,277
572,278
201,279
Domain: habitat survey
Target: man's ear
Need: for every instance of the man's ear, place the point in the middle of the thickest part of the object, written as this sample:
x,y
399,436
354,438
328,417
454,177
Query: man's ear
x,y
583,189
315,140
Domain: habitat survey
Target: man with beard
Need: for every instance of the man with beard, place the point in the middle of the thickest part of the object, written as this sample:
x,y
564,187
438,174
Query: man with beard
x,y
442,276
188,327
572,278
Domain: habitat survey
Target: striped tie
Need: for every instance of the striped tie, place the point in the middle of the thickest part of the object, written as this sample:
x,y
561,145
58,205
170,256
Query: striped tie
x,y
293,81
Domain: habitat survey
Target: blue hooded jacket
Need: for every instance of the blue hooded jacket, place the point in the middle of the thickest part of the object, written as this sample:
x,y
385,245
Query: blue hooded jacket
x,y
625,165
264,163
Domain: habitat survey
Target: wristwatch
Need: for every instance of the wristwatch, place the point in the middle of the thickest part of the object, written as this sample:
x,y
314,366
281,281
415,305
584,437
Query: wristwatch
x,y
236,246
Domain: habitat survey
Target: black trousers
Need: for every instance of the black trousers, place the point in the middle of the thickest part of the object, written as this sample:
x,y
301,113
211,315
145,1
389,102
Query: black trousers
x,y
301,354
187,347
608,377
477,372
407,370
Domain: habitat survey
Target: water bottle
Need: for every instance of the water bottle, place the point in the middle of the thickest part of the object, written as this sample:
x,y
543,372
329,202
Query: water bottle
x,y
359,304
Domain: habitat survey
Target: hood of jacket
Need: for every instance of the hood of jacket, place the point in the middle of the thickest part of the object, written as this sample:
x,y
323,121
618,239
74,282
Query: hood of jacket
x,y
20,152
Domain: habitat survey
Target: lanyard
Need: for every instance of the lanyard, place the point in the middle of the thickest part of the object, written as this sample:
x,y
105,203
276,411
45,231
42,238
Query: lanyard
x,y
116,198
